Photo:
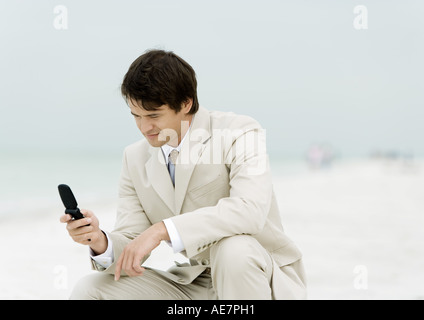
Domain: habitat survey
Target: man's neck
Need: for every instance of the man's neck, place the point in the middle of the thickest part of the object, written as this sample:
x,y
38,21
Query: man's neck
x,y
185,126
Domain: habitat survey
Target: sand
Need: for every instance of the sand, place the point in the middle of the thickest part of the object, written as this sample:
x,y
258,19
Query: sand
x,y
358,223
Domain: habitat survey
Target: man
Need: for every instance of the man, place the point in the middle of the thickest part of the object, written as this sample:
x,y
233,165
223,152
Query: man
x,y
201,181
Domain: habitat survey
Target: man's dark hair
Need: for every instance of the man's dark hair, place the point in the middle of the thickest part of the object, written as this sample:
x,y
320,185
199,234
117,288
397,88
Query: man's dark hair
x,y
160,77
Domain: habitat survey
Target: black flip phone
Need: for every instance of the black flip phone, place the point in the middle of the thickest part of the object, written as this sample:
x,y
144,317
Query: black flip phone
x,y
69,201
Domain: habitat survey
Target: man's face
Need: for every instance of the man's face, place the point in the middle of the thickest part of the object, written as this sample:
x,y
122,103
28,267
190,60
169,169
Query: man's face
x,y
163,125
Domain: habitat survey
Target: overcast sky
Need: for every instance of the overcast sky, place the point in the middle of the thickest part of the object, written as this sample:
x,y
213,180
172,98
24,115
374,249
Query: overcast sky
x,y
299,67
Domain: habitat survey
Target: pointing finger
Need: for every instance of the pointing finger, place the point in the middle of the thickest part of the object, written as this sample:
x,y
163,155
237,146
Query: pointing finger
x,y
119,267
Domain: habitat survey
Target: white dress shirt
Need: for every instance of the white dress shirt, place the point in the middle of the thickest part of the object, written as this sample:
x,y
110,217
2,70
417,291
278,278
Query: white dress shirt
x,y
106,259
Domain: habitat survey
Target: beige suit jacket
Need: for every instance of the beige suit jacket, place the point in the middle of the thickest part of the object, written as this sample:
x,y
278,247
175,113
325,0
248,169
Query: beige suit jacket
x,y
222,188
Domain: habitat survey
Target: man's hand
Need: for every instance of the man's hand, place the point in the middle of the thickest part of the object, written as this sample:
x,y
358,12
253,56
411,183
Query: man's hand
x,y
86,231
133,253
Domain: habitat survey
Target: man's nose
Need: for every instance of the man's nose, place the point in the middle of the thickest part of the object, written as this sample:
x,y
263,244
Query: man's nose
x,y
145,126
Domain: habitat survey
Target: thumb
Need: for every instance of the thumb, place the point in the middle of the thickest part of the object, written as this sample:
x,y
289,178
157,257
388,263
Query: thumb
x,y
87,213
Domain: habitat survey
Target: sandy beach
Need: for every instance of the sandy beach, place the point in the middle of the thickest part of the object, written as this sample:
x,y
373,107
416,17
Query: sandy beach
x,y
358,223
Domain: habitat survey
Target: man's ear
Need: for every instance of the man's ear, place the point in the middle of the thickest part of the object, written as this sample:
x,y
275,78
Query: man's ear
x,y
186,105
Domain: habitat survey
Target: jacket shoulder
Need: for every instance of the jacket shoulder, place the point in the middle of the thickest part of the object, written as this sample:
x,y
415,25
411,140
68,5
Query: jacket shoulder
x,y
231,120
137,149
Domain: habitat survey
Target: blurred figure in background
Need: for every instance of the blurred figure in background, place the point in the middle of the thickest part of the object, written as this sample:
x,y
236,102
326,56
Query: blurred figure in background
x,y
320,156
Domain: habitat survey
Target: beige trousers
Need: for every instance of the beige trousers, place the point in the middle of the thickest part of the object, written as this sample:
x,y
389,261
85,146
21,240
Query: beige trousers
x,y
240,269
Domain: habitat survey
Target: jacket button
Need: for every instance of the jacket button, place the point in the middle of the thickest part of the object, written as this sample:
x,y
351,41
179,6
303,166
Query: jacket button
x,y
205,262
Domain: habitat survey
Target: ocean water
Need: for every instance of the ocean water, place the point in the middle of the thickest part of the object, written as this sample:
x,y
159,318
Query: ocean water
x,y
29,180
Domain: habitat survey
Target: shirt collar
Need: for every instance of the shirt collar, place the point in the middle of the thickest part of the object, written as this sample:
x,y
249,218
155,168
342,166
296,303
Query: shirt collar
x,y
166,148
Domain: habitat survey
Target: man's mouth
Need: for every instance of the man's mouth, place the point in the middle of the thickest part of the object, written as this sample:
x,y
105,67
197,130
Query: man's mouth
x,y
150,136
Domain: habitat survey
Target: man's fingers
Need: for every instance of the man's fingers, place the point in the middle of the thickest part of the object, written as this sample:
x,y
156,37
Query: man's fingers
x,y
84,238
126,263
129,264
80,230
138,269
65,218
78,223
118,267
87,213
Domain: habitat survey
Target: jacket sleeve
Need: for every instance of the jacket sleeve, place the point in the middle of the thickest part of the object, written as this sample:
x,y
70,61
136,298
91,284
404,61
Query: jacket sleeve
x,y
131,220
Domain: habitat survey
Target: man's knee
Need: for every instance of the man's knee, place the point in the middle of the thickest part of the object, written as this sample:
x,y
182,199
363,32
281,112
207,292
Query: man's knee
x,y
241,268
237,253
90,287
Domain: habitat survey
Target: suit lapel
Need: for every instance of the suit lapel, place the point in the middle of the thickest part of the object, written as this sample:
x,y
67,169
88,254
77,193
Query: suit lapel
x,y
191,151
159,177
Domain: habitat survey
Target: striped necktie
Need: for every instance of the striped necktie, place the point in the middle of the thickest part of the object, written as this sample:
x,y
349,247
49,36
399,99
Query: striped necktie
x,y
172,159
